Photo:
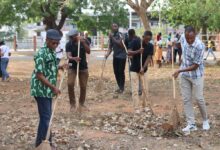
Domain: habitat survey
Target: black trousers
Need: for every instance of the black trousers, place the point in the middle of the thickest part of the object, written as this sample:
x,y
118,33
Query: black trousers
x,y
176,51
119,71
0,68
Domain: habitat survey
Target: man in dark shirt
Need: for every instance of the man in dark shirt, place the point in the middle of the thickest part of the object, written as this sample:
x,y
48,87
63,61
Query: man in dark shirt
x,y
135,51
119,57
86,36
72,54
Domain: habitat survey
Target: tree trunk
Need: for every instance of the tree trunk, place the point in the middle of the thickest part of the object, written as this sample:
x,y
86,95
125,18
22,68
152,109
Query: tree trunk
x,y
50,23
143,15
204,34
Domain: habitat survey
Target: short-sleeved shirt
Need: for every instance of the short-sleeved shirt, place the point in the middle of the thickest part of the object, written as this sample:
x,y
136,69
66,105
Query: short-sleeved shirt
x,y
134,45
73,48
192,54
89,40
45,63
119,52
5,50
59,51
210,44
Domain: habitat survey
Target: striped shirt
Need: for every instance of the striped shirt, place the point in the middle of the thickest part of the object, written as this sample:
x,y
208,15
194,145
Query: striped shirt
x,y
192,54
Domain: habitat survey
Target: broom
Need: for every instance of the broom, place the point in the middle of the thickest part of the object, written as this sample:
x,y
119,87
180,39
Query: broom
x,y
77,70
99,85
45,145
145,86
174,117
129,63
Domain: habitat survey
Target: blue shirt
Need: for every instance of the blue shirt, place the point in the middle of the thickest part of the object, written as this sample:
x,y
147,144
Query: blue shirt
x,y
192,54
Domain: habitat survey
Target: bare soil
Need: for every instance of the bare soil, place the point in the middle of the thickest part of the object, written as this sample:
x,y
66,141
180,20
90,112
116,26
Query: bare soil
x,y
111,123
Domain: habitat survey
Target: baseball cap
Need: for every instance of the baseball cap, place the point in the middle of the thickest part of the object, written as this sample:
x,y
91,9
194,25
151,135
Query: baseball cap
x,y
73,32
53,34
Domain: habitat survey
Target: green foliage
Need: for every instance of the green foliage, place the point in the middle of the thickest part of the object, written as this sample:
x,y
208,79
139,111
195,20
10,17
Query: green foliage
x,y
199,13
105,12
14,13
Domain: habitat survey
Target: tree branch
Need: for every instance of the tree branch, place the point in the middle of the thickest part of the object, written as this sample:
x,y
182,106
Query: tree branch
x,y
63,18
146,3
132,5
137,2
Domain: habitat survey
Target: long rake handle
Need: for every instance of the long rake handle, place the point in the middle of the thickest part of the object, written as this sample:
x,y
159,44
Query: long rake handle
x,y
77,71
104,62
129,62
174,85
54,106
123,43
103,67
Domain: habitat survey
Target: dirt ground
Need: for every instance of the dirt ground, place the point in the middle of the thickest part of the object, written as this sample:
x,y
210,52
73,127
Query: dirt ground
x,y
111,123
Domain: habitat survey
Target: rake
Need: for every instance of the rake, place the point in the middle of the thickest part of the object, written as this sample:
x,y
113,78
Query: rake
x,y
174,117
145,89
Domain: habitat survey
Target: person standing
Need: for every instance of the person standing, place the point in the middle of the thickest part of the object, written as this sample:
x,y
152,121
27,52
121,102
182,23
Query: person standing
x,y
210,49
0,68
89,42
192,78
43,82
59,53
135,51
159,53
5,54
72,55
169,50
119,57
177,48
86,36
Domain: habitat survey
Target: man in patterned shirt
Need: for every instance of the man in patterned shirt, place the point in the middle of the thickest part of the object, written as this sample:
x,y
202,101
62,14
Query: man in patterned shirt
x,y
191,77
43,81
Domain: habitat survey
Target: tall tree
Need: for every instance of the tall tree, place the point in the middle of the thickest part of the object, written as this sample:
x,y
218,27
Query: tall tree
x,y
140,7
107,12
53,13
204,15
13,13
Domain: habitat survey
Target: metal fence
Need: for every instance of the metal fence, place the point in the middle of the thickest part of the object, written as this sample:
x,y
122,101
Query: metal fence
x,y
98,42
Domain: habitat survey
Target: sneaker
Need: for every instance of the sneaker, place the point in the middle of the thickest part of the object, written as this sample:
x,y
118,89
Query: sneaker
x,y
189,127
206,125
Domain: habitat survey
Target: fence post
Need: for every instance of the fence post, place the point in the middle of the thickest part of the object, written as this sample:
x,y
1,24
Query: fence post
x,y
35,42
15,43
102,42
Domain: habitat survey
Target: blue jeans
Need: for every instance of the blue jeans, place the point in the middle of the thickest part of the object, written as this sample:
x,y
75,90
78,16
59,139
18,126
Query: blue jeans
x,y
44,109
4,65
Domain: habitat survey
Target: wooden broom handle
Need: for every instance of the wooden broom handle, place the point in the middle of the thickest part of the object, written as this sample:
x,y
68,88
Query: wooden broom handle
x,y
104,61
123,43
174,85
54,106
77,70
141,63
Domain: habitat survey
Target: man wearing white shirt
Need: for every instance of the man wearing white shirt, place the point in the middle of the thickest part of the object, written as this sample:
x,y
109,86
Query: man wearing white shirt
x,y
59,53
5,53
